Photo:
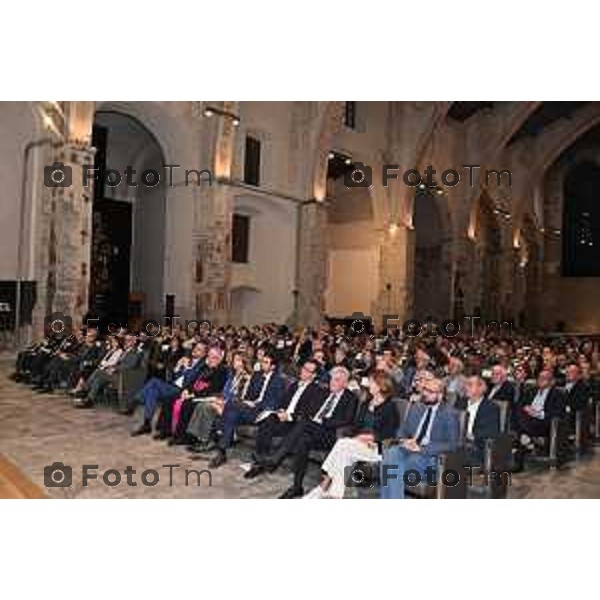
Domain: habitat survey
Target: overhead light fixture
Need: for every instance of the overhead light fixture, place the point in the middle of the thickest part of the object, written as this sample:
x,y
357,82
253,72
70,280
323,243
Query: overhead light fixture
x,y
348,161
331,155
422,186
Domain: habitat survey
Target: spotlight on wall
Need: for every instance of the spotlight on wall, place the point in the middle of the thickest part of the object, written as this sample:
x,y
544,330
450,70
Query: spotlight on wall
x,y
210,111
393,228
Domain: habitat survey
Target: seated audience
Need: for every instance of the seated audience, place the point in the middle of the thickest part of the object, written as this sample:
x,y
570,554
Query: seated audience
x,y
264,397
157,390
301,402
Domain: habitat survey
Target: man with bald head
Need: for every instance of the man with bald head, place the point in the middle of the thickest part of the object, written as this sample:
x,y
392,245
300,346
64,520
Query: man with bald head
x,y
430,428
546,402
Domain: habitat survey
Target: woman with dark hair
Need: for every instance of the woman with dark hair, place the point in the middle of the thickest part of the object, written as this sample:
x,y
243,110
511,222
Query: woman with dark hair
x,y
376,420
207,413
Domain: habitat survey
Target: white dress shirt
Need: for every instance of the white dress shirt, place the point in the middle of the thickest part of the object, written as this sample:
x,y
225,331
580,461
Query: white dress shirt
x,y
472,408
320,416
264,387
539,402
302,385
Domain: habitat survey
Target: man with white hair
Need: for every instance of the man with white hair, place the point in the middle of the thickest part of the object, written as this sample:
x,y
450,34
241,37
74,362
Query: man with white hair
x,y
336,411
501,387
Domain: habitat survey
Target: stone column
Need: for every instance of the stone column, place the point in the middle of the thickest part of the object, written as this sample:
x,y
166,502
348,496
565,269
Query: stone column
x,y
63,242
396,275
212,247
312,263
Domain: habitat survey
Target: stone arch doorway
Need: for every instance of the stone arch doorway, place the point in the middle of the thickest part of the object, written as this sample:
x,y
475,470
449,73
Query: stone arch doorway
x,y
128,224
432,271
352,247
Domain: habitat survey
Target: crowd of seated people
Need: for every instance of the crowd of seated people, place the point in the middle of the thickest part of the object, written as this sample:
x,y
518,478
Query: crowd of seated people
x,y
388,400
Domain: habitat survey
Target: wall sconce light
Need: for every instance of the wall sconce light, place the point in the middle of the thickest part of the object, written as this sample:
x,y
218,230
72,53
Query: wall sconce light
x,y
210,111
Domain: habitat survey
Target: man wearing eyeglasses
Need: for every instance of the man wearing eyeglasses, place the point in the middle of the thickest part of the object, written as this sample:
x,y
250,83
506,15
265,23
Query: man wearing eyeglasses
x,y
430,428
301,402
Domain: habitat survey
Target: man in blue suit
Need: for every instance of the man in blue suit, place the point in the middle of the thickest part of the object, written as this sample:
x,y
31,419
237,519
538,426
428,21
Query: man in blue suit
x,y
157,390
430,428
266,392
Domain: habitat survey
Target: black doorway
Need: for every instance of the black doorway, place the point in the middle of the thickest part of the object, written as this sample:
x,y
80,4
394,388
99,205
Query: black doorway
x,y
110,261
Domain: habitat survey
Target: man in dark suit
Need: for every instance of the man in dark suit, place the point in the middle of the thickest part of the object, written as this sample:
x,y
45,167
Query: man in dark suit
x,y
430,428
265,394
577,390
332,414
157,390
545,403
501,388
482,419
301,401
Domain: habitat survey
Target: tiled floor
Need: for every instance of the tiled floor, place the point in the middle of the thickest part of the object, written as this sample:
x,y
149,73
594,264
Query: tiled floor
x,y
38,430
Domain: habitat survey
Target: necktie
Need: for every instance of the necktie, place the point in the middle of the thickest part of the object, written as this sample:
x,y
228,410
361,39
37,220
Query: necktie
x,y
326,407
424,425
467,419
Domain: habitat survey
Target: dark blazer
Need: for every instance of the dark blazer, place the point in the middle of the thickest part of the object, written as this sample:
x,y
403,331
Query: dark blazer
x,y
190,374
213,380
343,415
383,422
274,394
578,397
444,430
505,392
554,405
130,359
91,355
311,399
487,422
